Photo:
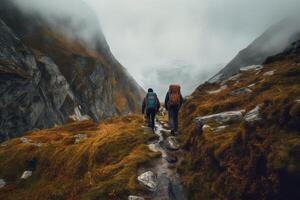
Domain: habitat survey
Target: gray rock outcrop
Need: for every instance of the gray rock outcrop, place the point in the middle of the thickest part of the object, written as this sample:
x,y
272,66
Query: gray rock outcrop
x,y
48,76
220,118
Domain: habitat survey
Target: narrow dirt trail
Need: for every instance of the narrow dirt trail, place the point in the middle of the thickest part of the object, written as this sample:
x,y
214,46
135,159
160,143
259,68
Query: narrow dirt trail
x,y
169,186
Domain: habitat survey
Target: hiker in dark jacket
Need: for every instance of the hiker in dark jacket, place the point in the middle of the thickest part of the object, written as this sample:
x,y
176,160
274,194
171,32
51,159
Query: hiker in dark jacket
x,y
173,102
151,105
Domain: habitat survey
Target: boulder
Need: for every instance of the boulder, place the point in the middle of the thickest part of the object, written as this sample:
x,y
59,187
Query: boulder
x,y
149,180
251,67
269,73
220,118
2,183
171,143
131,197
26,174
253,115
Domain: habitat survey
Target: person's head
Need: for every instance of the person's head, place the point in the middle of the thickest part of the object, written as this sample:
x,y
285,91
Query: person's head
x,y
150,90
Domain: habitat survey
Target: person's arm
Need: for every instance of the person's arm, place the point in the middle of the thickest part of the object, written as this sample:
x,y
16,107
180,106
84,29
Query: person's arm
x,y
144,106
167,100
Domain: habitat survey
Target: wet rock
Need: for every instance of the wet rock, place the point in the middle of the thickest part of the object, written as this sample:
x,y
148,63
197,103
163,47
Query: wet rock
x,y
26,174
252,67
131,197
253,115
220,118
269,73
149,180
171,159
241,91
172,143
218,90
79,137
2,183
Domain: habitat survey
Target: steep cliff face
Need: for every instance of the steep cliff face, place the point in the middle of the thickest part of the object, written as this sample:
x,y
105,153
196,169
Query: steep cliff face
x,y
271,42
242,134
50,72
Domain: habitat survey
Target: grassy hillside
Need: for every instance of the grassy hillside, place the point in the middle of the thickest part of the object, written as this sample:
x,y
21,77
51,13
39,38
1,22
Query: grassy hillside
x,y
102,165
246,160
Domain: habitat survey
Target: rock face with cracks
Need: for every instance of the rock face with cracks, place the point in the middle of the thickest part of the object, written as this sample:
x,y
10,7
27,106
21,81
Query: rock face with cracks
x,y
48,76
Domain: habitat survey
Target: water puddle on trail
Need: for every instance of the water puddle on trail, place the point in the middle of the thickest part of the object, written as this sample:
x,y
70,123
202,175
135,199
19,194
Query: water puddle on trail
x,y
169,186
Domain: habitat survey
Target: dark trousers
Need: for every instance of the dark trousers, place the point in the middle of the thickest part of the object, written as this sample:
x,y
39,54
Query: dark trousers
x,y
150,113
173,118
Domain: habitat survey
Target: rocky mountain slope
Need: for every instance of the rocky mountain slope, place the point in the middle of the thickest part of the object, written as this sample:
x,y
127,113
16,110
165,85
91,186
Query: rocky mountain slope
x,y
273,41
242,134
50,69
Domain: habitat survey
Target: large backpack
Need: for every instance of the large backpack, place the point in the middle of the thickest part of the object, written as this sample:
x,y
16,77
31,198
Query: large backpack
x,y
151,100
174,95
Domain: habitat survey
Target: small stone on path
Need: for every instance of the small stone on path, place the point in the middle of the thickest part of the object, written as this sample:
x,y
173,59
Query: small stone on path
x,y
149,180
172,143
26,174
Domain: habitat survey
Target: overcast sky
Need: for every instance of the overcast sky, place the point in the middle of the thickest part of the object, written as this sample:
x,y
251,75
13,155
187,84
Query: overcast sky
x,y
146,34
196,38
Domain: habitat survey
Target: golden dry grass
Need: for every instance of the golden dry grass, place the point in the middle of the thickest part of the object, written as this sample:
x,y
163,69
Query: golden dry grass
x,y
102,166
245,161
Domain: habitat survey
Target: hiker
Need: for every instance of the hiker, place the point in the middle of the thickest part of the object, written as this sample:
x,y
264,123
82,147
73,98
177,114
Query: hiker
x,y
173,102
151,105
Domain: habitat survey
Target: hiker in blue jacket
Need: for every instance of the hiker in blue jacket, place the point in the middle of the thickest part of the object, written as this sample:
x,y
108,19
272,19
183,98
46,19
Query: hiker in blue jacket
x,y
151,105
